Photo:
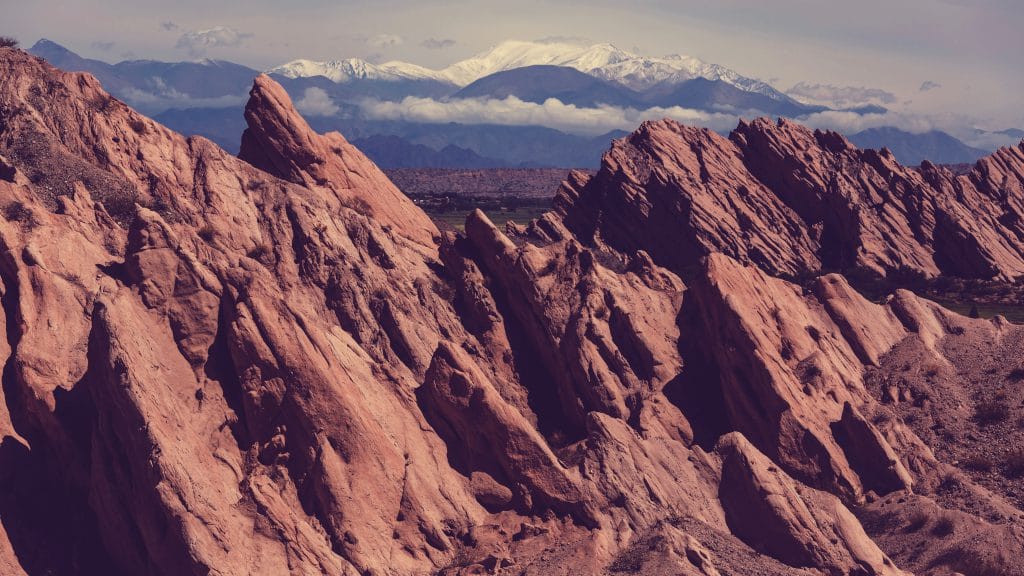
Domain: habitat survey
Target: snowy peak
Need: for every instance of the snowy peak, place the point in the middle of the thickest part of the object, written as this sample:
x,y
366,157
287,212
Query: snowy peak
x,y
339,71
350,69
605,61
514,54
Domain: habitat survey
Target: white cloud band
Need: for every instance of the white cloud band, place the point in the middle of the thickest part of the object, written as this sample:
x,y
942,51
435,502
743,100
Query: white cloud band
x,y
512,111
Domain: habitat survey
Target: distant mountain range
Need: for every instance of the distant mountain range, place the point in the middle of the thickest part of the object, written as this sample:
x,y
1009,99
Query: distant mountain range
x,y
539,83
153,86
603,61
205,98
912,149
397,152
570,86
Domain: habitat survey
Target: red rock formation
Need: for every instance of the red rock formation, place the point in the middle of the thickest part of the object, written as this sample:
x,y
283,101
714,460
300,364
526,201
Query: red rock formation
x,y
276,364
681,193
801,527
280,142
793,201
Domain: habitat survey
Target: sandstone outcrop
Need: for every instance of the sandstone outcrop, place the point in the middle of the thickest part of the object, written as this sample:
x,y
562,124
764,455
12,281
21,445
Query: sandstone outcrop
x,y
799,526
276,364
280,142
794,201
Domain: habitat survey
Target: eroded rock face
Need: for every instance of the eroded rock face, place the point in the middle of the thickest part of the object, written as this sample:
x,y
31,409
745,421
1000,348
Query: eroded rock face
x,y
797,525
280,142
278,365
793,201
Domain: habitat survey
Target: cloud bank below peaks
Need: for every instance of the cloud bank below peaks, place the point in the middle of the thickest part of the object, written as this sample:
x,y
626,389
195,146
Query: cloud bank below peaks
x,y
840,96
552,113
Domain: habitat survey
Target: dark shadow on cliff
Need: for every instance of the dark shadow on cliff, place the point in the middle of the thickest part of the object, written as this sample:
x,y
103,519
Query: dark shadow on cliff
x,y
697,390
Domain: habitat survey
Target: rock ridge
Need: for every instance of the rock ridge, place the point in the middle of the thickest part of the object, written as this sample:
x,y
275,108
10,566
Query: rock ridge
x,y
276,364
796,202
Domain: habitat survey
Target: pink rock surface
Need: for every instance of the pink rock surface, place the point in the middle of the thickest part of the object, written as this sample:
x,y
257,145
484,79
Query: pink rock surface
x,y
278,365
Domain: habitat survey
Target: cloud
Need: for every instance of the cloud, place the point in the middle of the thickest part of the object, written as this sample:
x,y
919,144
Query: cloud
x,y
197,42
384,41
840,96
162,99
168,26
553,113
104,46
316,102
435,44
929,85
960,126
851,122
156,94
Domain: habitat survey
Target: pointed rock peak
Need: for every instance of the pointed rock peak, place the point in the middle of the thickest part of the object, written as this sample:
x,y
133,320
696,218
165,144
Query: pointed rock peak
x,y
775,134
666,125
833,141
668,132
280,142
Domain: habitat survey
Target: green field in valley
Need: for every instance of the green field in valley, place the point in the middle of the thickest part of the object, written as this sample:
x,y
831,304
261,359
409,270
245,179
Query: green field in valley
x,y
457,218
1012,312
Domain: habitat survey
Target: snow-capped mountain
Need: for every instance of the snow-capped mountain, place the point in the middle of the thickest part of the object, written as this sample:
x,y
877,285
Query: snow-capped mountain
x,y
342,71
605,61
205,97
640,73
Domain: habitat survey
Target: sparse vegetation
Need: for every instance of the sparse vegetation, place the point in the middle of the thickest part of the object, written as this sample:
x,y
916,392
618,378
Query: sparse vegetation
x,y
881,418
812,371
261,252
986,297
944,527
990,412
1016,375
630,561
207,232
932,368
137,125
18,211
120,204
8,42
970,562
786,350
609,259
949,483
1013,466
917,521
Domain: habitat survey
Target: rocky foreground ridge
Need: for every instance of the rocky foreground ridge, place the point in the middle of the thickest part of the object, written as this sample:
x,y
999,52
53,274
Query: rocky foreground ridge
x,y
276,364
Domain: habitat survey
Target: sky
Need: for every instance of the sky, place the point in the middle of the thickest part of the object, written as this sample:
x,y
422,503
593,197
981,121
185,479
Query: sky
x,y
959,59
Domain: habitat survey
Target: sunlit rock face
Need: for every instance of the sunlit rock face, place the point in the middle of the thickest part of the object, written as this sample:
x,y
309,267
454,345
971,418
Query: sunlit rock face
x,y
277,364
